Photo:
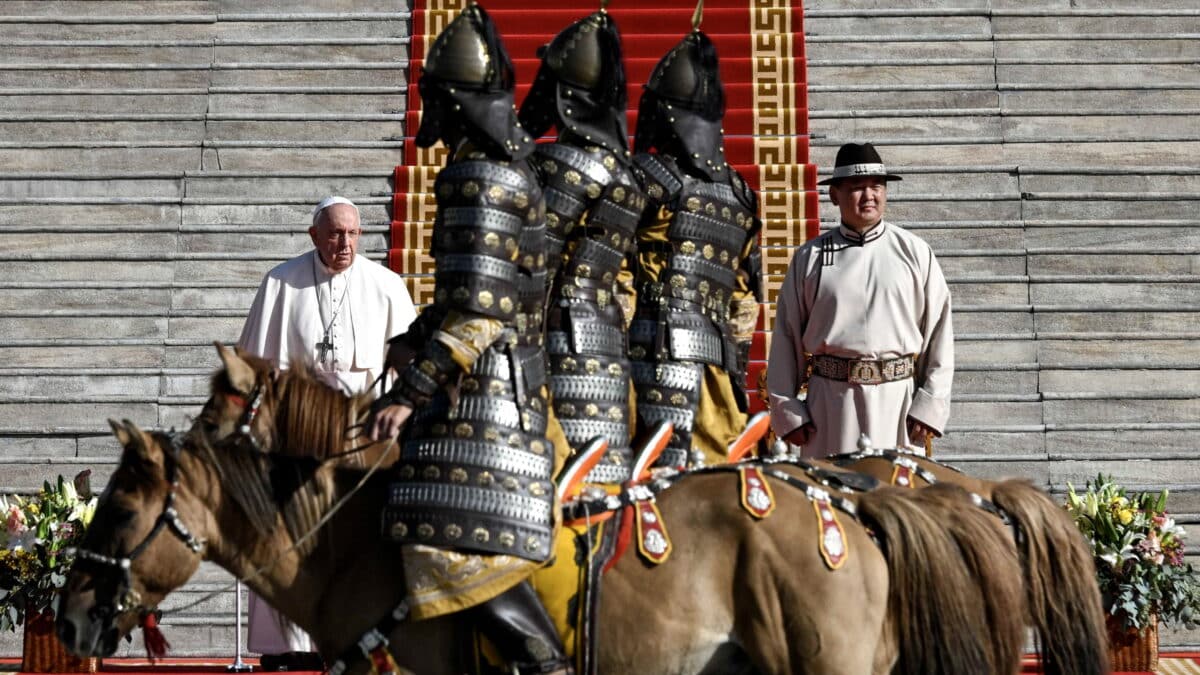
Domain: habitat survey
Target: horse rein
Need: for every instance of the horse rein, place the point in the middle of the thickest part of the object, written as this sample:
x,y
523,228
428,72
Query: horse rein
x,y
128,599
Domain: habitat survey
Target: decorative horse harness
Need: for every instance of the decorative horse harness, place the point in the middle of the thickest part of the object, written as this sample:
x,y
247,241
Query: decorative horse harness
x,y
128,599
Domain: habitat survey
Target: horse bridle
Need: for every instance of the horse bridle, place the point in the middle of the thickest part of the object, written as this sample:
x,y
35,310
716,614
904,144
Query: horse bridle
x,y
249,413
128,599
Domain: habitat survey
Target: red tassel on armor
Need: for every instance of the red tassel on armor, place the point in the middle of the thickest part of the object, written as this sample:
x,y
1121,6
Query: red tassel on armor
x,y
152,636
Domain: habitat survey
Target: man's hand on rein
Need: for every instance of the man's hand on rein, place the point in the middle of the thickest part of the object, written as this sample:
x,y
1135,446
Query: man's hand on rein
x,y
387,422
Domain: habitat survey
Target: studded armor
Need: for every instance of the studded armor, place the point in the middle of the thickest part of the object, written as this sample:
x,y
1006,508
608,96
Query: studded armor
x,y
592,209
593,205
706,267
475,469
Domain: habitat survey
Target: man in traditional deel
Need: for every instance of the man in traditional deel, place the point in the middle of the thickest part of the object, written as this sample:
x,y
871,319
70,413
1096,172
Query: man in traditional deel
x,y
866,308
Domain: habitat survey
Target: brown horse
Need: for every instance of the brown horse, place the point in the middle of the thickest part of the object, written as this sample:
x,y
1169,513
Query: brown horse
x,y
1062,596
937,594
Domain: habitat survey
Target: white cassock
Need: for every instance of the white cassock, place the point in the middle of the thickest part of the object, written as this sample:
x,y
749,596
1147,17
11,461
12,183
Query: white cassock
x,y
881,295
339,323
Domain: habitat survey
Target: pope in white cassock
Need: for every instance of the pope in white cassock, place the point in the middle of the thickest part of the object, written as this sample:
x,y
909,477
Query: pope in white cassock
x,y
335,310
867,308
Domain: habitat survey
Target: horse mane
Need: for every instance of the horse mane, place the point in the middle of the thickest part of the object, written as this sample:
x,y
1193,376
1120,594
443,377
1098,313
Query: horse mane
x,y
312,419
266,487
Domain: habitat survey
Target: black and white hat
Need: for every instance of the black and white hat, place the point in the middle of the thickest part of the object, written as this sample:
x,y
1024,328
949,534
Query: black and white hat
x,y
854,159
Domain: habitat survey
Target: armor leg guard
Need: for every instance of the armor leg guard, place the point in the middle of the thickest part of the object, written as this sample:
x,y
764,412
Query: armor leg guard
x,y
517,624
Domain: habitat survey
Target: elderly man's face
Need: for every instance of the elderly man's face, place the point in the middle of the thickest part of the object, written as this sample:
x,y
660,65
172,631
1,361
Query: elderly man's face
x,y
862,200
336,236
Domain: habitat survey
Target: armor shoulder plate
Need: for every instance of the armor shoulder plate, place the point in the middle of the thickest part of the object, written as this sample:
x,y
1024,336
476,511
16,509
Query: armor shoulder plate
x,y
661,179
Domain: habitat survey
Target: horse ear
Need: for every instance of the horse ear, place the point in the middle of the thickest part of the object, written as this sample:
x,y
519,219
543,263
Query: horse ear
x,y
141,443
239,373
121,432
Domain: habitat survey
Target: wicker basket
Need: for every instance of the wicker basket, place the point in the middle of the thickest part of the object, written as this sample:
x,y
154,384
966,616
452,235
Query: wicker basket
x,y
1132,650
44,653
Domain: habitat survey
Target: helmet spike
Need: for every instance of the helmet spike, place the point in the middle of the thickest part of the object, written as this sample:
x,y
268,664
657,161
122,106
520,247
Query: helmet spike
x,y
697,16
604,5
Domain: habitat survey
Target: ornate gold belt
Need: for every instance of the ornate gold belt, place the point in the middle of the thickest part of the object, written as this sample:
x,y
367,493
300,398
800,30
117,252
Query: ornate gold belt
x,y
863,371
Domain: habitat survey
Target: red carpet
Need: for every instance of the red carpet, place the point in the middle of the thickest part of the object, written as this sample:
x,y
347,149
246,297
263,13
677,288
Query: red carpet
x,y
761,46
1183,663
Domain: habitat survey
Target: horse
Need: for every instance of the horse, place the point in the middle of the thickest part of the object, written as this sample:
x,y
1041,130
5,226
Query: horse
x,y
1062,596
926,588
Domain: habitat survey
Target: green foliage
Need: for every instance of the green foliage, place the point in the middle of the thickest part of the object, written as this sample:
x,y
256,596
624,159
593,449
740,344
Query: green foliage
x,y
1138,551
35,541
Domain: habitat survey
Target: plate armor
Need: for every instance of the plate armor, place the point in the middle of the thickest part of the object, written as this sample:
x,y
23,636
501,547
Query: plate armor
x,y
475,469
592,210
683,321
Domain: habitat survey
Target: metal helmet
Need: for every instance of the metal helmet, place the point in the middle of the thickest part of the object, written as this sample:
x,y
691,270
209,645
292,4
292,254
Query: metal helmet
x,y
467,89
683,105
580,87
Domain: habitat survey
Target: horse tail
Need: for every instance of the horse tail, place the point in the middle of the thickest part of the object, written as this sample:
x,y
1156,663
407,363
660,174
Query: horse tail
x,y
955,583
1062,596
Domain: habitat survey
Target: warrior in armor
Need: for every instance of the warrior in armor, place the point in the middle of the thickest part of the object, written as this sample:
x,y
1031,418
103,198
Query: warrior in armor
x,y
473,498
699,265
593,205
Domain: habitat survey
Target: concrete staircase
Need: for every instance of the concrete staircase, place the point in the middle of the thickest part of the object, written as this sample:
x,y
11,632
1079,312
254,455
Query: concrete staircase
x,y
157,158
1050,156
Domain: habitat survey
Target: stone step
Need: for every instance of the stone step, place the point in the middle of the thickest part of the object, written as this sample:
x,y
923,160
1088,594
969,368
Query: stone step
x,y
993,152
1002,48
336,131
822,23
26,53
186,211
200,185
231,27
52,8
836,96
176,157
1113,262
29,54
138,76
163,101
1040,180
1099,75
1095,48
1166,322
1013,98
1055,126
1167,97
256,104
980,72
1129,22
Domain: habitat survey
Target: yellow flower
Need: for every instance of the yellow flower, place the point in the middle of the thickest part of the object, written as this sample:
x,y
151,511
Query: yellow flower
x,y
32,508
1125,516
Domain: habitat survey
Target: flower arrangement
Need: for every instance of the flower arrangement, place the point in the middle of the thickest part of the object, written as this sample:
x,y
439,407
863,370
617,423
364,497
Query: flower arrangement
x,y
35,539
1138,550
